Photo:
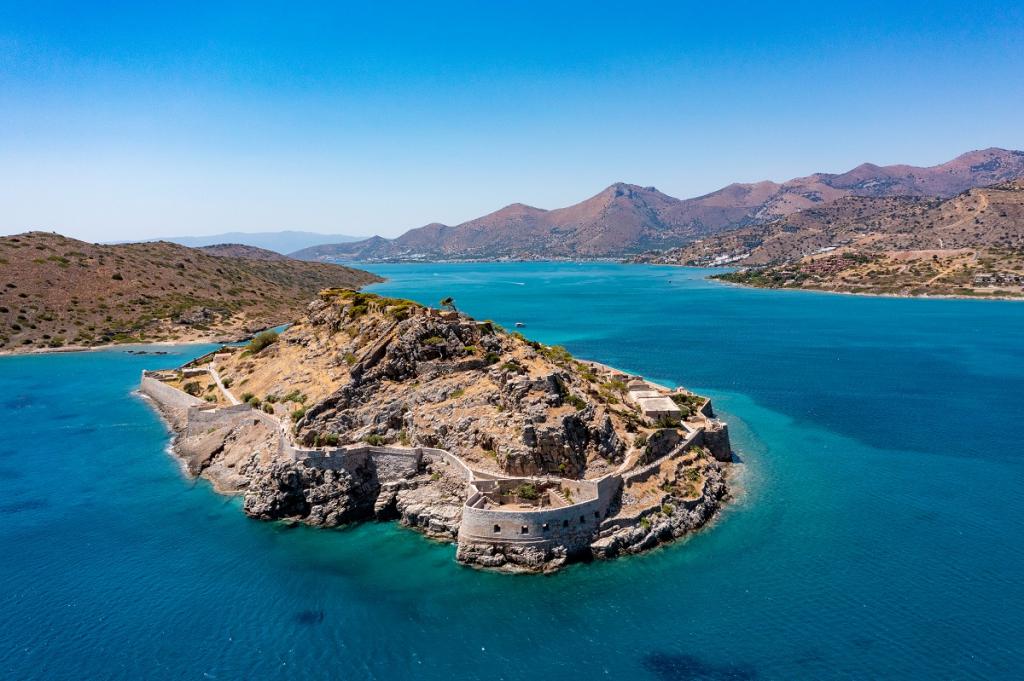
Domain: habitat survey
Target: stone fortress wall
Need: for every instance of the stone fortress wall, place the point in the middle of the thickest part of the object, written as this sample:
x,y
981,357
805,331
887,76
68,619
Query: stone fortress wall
x,y
572,526
165,395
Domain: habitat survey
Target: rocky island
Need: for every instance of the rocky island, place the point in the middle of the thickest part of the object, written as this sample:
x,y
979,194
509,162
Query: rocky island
x,y
380,408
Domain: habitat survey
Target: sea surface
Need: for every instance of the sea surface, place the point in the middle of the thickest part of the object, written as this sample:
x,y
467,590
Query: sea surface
x,y
878,530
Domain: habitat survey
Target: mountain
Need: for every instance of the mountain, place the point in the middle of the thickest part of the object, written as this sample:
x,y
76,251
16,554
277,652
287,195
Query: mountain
x,y
56,291
969,245
279,242
627,219
983,217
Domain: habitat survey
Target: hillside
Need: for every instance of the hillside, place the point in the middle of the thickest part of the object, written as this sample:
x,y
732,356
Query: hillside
x,y
969,245
56,292
627,219
242,251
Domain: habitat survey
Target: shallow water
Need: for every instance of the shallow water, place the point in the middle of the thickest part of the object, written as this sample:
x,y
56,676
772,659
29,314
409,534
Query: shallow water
x,y
878,534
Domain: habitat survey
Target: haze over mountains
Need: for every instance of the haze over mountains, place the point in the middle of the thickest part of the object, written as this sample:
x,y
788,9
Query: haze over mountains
x,y
625,219
280,242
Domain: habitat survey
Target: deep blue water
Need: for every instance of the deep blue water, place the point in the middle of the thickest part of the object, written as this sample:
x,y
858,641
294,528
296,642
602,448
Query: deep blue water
x,y
879,533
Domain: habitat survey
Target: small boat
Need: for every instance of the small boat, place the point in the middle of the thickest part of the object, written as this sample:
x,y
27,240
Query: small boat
x,y
520,325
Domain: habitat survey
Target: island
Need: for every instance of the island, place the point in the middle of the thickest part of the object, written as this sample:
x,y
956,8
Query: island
x,y
371,407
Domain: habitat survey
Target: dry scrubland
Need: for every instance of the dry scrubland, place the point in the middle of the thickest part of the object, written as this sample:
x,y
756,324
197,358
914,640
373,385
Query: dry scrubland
x,y
968,245
57,292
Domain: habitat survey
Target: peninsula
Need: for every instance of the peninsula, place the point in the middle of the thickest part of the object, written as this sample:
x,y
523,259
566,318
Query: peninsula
x,y
58,293
970,245
379,408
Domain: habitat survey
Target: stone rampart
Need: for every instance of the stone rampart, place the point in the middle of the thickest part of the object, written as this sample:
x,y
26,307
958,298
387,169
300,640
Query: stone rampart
x,y
693,437
449,459
202,419
391,463
573,527
716,439
166,396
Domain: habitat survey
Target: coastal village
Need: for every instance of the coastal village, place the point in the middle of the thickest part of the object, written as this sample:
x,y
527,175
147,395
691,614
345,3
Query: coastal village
x,y
542,461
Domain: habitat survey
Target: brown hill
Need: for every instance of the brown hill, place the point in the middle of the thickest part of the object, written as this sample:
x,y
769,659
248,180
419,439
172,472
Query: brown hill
x,y
242,251
56,291
969,245
987,217
625,218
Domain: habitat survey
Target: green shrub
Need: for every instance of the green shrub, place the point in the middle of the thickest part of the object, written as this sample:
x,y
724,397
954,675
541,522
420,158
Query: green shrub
x,y
457,393
645,523
227,382
262,341
374,440
210,398
328,440
557,354
640,440
513,367
527,491
491,358
192,388
667,509
294,396
433,340
272,398
350,358
298,414
254,402
268,407
435,476
576,401
667,422
247,397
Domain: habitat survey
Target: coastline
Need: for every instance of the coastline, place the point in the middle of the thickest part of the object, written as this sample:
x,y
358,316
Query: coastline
x,y
898,296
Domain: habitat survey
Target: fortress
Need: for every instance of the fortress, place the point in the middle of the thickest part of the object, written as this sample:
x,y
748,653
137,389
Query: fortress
x,y
504,520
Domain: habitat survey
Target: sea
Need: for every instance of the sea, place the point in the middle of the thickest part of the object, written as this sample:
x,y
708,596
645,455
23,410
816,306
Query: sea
x,y
877,529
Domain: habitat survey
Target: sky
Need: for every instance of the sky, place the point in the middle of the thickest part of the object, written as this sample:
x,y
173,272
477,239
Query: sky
x,y
138,120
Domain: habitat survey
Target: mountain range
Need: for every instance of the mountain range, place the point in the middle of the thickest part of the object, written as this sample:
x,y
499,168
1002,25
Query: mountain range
x,y
990,217
626,219
280,242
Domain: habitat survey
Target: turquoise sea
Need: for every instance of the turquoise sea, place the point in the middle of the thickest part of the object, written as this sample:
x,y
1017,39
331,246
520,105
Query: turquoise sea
x,y
879,532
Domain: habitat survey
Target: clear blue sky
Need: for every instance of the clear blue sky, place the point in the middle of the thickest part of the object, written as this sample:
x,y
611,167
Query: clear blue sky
x,y
128,122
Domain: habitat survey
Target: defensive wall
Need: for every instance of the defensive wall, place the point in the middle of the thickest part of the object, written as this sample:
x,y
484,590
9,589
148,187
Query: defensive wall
x,y
573,526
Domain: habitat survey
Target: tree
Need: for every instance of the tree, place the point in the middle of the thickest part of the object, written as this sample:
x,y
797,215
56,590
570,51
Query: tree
x,y
448,303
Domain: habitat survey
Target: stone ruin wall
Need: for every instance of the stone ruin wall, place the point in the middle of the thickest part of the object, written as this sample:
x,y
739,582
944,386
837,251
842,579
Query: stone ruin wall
x,y
573,527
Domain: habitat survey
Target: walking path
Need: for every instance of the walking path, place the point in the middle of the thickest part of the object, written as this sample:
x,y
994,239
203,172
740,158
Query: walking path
x,y
216,379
